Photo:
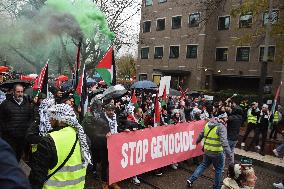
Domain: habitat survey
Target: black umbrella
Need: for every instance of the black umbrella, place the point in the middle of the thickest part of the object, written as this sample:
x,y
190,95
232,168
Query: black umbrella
x,y
145,84
9,84
173,92
114,92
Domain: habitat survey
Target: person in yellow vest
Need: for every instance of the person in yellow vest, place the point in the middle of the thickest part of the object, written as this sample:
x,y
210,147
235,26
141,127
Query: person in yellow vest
x,y
251,121
62,156
215,143
277,116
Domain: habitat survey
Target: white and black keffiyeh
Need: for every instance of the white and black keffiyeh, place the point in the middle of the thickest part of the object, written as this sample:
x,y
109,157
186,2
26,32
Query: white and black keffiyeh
x,y
65,113
112,123
44,125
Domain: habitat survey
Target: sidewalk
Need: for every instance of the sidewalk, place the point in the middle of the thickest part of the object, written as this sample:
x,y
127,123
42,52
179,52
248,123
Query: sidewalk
x,y
276,161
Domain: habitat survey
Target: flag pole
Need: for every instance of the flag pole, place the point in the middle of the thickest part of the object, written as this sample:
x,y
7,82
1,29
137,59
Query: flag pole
x,y
114,68
78,63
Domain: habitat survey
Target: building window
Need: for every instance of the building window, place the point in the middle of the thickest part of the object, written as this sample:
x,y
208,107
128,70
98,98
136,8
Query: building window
x,y
142,77
176,22
245,20
159,52
148,3
145,53
146,26
224,23
161,24
194,20
156,79
221,54
174,51
162,1
273,19
191,51
243,53
271,53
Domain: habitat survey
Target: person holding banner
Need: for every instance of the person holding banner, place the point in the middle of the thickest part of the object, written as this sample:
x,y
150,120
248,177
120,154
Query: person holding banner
x,y
215,143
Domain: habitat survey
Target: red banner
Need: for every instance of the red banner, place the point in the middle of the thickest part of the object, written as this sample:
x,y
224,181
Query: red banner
x,y
137,152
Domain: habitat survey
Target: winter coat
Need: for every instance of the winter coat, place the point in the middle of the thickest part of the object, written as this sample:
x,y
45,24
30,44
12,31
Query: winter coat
x,y
15,119
234,123
10,173
96,128
229,183
43,159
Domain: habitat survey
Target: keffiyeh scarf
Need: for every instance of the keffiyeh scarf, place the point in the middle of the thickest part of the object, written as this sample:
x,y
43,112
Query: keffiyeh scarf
x,y
65,113
44,125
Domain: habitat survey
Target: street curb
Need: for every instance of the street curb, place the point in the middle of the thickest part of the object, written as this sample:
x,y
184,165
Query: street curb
x,y
265,165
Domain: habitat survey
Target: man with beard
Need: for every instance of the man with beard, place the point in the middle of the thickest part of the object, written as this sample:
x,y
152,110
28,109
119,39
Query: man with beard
x,y
15,118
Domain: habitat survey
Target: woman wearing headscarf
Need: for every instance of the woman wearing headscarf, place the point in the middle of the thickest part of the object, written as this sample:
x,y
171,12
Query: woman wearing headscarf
x,y
62,156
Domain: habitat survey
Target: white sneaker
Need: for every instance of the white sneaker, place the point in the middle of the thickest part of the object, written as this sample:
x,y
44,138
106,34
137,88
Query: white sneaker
x,y
276,153
278,185
174,166
135,180
257,147
243,144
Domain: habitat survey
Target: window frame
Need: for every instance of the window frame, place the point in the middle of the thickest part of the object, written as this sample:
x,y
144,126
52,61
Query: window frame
x,y
143,29
157,23
170,51
187,51
250,24
216,54
225,16
191,26
140,74
237,60
145,1
259,57
141,53
266,12
155,52
180,22
164,1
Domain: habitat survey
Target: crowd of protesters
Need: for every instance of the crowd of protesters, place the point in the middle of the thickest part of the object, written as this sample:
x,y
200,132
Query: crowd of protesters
x,y
41,125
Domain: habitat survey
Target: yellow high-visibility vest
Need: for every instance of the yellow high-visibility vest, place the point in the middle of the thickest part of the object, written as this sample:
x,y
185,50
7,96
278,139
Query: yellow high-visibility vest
x,y
212,141
251,118
72,174
276,117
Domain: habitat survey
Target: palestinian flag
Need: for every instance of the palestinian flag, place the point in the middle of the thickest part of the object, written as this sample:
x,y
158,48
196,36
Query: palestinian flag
x,y
81,94
134,100
41,82
157,111
106,68
164,97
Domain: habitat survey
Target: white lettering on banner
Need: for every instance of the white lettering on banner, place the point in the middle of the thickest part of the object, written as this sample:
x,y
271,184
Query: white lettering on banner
x,y
163,145
139,149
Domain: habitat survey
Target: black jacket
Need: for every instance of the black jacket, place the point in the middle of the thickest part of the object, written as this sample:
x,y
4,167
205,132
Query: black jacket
x,y
43,159
233,126
14,118
96,129
11,176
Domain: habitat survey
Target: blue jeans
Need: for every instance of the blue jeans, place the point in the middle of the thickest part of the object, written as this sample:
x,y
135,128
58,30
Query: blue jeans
x,y
280,147
218,163
232,145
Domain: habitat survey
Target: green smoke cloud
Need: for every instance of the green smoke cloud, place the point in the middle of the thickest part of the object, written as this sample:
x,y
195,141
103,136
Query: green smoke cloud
x,y
85,13
39,34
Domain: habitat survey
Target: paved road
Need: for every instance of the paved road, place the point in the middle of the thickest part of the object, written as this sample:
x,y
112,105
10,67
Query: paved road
x,y
175,179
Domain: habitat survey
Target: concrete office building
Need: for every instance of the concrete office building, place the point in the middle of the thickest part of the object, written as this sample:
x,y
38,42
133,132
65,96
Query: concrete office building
x,y
198,49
